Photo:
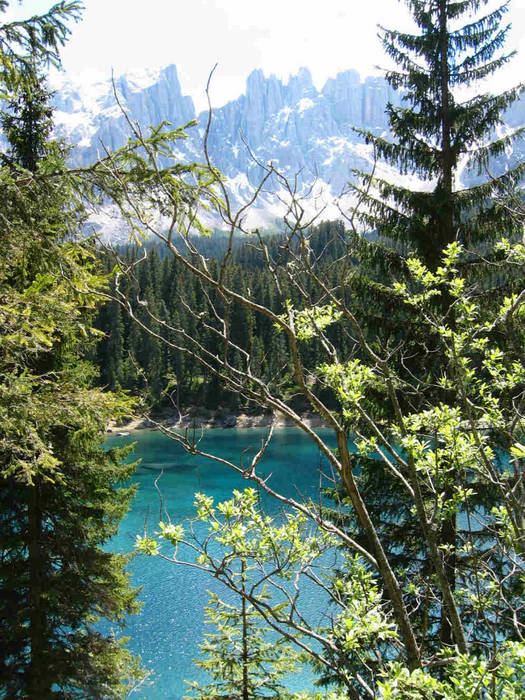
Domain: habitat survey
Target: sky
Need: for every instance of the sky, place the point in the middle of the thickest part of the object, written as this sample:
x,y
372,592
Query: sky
x,y
278,36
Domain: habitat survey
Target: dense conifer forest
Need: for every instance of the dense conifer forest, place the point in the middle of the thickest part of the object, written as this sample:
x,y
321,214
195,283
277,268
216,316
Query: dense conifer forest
x,y
133,359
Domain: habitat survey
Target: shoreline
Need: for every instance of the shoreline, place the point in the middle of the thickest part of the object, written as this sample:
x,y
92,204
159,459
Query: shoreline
x,y
209,420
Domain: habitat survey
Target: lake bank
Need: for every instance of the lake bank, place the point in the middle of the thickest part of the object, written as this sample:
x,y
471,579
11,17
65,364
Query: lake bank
x,y
204,418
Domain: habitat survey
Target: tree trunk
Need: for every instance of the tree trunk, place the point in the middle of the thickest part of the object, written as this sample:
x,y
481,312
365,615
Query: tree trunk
x,y
39,678
448,534
392,587
445,185
245,695
448,537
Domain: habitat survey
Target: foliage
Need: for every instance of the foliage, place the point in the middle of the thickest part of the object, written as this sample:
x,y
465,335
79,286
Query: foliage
x,y
468,677
411,350
61,495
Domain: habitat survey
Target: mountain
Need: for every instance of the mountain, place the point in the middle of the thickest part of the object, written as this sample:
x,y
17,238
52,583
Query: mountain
x,y
87,114
305,132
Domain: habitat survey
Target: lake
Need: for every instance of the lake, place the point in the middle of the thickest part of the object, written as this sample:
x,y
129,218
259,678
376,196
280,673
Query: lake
x,y
168,630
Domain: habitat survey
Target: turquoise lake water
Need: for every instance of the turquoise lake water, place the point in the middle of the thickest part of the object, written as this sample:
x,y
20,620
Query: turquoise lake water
x,y
168,630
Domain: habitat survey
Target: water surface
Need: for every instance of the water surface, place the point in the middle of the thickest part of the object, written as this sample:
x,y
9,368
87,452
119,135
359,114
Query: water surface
x,y
168,630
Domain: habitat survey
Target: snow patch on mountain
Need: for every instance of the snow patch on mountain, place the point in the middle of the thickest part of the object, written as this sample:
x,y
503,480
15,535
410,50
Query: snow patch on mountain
x,y
304,104
141,79
305,133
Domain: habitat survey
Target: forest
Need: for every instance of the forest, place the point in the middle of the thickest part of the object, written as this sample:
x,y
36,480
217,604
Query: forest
x,y
402,326
132,359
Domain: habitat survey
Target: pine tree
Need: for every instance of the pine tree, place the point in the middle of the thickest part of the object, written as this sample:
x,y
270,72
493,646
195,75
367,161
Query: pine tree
x,y
242,660
27,124
61,494
434,132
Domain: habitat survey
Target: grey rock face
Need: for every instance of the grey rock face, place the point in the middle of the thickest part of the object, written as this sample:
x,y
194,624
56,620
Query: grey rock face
x,y
294,125
94,121
298,128
303,131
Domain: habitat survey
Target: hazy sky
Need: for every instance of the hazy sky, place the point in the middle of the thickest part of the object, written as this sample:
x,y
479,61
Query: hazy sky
x,y
278,36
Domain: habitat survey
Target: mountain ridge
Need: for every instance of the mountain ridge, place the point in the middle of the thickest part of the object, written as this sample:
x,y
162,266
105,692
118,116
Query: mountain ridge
x,y
305,132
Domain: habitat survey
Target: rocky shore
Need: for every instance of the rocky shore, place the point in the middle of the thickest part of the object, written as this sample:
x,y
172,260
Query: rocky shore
x,y
204,418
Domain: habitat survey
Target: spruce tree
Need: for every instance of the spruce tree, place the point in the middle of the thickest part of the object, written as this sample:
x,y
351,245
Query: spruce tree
x,y
241,658
61,494
436,131
435,134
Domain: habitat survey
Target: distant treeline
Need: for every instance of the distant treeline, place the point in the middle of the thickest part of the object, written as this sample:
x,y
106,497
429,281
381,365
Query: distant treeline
x,y
161,287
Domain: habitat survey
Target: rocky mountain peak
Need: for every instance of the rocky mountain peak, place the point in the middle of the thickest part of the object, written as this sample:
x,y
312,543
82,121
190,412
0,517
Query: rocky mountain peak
x,y
304,132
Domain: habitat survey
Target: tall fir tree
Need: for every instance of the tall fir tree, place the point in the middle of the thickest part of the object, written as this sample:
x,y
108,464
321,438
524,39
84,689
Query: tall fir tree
x,y
436,131
61,495
436,135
